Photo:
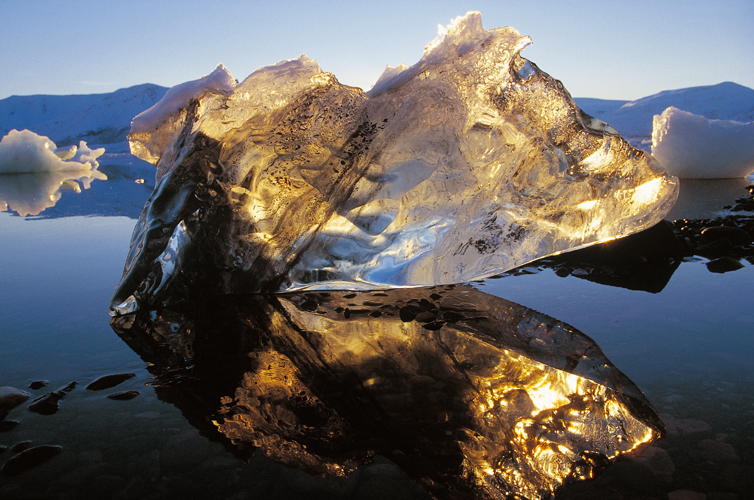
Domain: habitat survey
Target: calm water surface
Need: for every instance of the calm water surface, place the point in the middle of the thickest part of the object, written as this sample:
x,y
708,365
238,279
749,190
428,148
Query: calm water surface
x,y
690,348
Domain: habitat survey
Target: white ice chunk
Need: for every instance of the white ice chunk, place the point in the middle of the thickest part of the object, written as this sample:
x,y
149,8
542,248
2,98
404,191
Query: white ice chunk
x,y
694,147
165,114
177,97
26,152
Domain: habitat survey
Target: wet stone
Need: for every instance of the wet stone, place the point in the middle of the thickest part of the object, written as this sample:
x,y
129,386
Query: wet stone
x,y
48,404
717,451
18,447
724,265
30,458
10,397
632,476
108,381
735,235
681,426
123,396
655,459
38,384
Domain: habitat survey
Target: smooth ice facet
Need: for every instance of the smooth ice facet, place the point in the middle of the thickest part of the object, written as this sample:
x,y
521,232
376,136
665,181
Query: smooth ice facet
x,y
469,163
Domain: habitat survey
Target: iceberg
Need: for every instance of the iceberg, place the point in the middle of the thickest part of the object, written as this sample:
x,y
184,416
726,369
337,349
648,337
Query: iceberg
x,y
471,162
34,171
692,146
24,152
473,396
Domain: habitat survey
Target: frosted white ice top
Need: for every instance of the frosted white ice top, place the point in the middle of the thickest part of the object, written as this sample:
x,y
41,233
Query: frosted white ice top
x,y
692,146
219,80
27,152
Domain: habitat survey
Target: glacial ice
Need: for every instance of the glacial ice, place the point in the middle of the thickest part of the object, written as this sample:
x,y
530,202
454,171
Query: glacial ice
x,y
23,152
692,146
468,163
34,171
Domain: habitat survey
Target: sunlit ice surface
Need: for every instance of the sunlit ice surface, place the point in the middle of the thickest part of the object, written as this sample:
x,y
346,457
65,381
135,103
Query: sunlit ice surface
x,y
501,399
468,163
694,147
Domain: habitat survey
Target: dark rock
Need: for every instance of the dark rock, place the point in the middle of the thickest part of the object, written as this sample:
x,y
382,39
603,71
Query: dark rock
x,y
20,446
632,476
724,265
655,459
717,451
683,426
3,448
30,458
38,384
6,425
123,396
735,235
713,250
48,404
108,381
10,397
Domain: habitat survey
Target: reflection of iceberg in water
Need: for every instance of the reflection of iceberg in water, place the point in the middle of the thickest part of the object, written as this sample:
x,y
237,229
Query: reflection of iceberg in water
x,y
471,162
471,395
31,193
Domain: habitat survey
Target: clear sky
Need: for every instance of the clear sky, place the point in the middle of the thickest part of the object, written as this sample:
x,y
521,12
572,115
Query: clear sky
x,y
608,49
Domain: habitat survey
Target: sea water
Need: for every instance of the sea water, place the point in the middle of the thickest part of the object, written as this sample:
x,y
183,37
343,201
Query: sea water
x,y
690,348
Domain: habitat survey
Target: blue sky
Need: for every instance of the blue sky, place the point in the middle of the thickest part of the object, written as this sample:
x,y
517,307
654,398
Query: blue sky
x,y
607,49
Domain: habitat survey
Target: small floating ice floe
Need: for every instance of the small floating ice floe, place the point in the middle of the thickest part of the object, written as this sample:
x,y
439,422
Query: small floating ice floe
x,y
694,147
33,171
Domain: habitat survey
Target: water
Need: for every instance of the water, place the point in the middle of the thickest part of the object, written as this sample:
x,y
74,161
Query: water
x,y
690,348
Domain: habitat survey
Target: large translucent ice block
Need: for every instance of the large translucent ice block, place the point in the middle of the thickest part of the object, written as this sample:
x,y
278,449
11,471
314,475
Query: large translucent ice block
x,y
469,163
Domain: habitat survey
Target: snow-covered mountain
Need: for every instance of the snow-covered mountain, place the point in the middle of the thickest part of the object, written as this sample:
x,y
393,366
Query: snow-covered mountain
x,y
95,118
106,118
633,119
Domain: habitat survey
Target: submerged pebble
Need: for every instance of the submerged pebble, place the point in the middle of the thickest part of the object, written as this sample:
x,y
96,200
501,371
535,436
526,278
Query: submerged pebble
x,y
108,381
30,458
123,396
48,404
20,446
38,384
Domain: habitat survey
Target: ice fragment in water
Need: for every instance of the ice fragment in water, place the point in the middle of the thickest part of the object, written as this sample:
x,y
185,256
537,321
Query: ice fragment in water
x,y
692,146
33,171
24,152
471,162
